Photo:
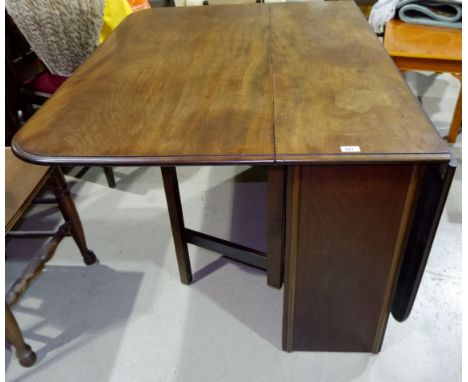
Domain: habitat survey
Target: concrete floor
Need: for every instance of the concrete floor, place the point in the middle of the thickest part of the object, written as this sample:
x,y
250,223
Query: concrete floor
x,y
130,319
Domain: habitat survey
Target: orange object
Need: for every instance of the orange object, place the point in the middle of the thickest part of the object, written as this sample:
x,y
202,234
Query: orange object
x,y
436,49
138,5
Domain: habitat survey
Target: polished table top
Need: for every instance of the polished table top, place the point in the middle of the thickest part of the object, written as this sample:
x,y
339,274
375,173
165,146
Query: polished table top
x,y
259,83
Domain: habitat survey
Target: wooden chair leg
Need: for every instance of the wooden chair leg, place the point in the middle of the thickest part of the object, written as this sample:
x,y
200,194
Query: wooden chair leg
x,y
68,209
457,118
110,176
36,266
171,188
276,181
24,353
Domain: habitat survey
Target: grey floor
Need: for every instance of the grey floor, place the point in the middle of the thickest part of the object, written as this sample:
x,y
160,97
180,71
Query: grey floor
x,y
130,319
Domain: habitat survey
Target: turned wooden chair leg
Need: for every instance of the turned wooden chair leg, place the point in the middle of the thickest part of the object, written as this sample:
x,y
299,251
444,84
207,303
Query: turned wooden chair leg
x,y
171,188
109,176
457,116
24,353
69,212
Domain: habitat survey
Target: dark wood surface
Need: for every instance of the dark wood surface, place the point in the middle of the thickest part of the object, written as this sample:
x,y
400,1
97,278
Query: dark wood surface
x,y
260,84
234,84
22,182
336,86
272,261
177,85
430,202
276,194
176,216
344,250
228,249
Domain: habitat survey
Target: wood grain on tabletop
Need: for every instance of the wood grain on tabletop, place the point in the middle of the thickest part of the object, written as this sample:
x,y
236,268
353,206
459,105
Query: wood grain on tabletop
x,y
421,41
341,264
182,84
336,86
201,84
22,181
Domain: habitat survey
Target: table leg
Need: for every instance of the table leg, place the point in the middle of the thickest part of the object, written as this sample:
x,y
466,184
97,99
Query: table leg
x,y
182,236
25,355
275,220
457,116
174,205
109,172
69,212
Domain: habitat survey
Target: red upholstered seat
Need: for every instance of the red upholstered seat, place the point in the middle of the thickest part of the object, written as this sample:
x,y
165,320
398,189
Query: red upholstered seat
x,y
46,82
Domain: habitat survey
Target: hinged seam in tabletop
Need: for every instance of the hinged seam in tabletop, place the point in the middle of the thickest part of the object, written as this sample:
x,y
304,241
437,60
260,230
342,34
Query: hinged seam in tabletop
x,y
219,159
270,52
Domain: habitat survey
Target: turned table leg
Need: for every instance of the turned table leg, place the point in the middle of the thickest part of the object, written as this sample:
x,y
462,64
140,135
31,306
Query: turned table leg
x,y
24,353
171,188
457,115
69,212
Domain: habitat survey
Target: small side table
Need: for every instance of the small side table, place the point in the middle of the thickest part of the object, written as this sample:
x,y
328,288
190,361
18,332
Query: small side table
x,y
435,49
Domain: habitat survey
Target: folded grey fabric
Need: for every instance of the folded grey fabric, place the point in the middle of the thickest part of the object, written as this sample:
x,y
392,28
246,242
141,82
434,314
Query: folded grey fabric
x,y
431,12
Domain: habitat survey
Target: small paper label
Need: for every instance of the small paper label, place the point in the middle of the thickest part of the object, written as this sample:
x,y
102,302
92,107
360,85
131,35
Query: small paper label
x,y
350,149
